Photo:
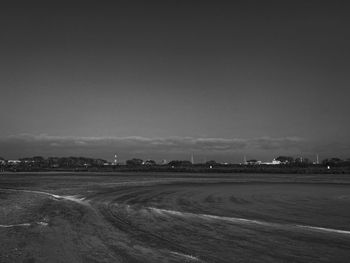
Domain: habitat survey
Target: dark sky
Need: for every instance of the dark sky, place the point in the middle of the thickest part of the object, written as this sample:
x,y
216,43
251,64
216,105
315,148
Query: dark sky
x,y
162,79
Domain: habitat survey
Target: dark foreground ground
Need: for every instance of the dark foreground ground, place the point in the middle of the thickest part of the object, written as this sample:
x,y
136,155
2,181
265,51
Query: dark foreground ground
x,y
153,217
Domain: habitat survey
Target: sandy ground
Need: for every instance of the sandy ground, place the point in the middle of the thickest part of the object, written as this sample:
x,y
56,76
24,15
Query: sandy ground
x,y
174,218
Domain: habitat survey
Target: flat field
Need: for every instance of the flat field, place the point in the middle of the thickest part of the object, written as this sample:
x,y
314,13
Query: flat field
x,y
174,217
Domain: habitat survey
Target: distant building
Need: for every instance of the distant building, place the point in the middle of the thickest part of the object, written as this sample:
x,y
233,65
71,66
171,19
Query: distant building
x,y
253,162
274,162
13,162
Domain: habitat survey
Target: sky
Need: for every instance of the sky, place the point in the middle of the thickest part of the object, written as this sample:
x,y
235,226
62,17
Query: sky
x,y
164,79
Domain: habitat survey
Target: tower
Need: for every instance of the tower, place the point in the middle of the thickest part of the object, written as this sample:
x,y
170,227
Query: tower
x,y
192,158
115,160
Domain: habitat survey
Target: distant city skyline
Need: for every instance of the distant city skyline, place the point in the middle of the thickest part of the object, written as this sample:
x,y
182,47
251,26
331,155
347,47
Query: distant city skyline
x,y
165,79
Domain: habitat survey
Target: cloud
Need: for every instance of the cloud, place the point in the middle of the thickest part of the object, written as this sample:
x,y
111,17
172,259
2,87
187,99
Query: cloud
x,y
48,144
225,149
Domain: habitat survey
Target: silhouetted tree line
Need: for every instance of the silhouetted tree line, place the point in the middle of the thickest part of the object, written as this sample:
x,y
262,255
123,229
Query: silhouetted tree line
x,y
336,162
134,162
56,162
138,162
285,163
